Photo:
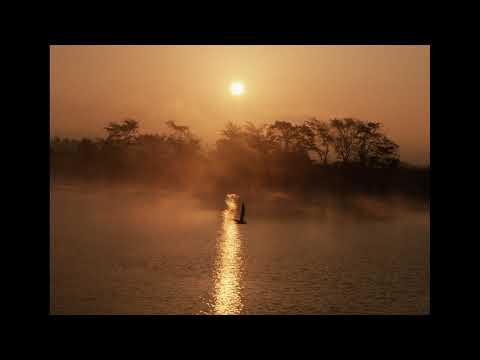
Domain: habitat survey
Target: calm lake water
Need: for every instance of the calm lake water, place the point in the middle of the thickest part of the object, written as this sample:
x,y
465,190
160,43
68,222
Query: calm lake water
x,y
127,251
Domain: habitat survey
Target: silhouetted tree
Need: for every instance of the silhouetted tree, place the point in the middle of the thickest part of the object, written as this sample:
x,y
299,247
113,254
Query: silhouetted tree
x,y
292,138
284,132
344,136
259,137
233,154
232,132
123,133
323,138
384,153
232,141
303,140
262,140
182,140
362,142
374,148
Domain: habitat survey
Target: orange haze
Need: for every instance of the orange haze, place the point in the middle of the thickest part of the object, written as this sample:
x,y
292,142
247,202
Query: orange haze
x,y
93,85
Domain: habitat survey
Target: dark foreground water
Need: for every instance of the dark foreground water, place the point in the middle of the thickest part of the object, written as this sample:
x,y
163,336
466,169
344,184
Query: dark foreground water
x,y
121,251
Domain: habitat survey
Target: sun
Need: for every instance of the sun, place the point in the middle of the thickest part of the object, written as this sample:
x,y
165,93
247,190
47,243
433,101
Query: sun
x,y
237,88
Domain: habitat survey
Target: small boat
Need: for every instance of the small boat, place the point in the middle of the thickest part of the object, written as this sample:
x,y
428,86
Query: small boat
x,y
242,216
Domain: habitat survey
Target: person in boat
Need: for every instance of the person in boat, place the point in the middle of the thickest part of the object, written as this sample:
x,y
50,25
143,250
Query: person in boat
x,y
241,220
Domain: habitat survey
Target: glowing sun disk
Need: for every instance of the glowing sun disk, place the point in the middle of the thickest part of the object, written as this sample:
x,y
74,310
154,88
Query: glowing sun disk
x,y
237,88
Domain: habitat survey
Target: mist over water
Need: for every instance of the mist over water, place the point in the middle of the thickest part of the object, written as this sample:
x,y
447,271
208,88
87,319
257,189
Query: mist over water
x,y
134,250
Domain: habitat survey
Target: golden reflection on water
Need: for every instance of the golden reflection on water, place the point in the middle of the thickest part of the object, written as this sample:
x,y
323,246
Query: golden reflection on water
x,y
227,296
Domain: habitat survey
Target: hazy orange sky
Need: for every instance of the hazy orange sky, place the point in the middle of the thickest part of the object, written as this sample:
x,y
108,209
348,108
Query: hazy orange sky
x,y
93,85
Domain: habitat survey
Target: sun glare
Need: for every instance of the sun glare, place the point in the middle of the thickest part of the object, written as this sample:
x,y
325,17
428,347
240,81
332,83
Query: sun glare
x,y
237,88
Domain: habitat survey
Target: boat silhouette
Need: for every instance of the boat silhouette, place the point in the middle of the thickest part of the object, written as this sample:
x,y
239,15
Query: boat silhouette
x,y
242,216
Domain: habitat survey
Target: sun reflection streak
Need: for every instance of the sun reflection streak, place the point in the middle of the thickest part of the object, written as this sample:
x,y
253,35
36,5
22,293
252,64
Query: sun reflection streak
x,y
229,263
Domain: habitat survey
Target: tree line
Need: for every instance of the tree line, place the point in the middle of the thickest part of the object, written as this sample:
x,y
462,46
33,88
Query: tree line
x,y
270,155
346,142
